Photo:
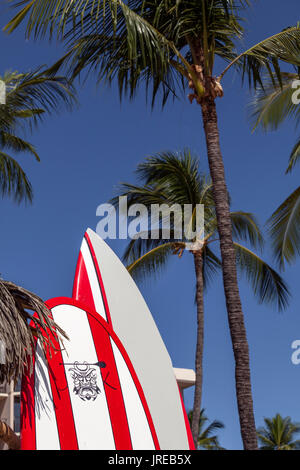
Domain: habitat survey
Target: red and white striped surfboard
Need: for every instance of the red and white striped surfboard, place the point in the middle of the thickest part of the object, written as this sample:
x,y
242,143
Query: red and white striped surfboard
x,y
85,394
103,283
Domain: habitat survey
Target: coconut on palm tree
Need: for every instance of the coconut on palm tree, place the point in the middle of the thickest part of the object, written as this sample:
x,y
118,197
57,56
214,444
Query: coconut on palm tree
x,y
174,181
207,439
167,45
279,433
28,97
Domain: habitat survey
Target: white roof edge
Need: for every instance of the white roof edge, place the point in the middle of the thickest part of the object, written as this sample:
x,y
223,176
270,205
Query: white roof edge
x,y
185,377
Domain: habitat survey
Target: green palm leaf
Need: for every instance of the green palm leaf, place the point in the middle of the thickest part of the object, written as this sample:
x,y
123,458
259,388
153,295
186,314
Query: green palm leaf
x,y
135,194
152,261
29,97
279,434
178,175
267,284
175,178
13,180
294,156
207,438
17,144
101,25
245,227
146,41
137,41
285,229
33,93
273,102
211,266
265,56
145,261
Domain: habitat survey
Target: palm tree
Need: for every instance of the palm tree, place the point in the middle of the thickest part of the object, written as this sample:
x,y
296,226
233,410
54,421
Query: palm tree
x,y
29,96
175,181
207,440
167,45
273,104
279,434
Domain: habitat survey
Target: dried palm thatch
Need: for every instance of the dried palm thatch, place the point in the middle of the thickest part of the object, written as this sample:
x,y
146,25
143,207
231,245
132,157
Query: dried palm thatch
x,y
8,436
16,334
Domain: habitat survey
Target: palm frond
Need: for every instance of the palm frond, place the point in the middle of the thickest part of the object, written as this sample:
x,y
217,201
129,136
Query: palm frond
x,y
135,194
294,157
178,174
146,41
211,266
172,182
152,261
207,440
13,180
175,178
284,226
33,92
265,57
279,434
112,25
135,41
17,336
267,284
17,144
29,96
273,102
246,228
28,113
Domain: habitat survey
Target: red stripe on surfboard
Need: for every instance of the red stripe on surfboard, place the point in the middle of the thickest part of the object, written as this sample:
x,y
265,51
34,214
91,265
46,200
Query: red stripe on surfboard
x,y
129,365
99,278
136,383
28,434
110,378
187,423
82,288
61,397
67,301
59,387
133,375
61,401
82,291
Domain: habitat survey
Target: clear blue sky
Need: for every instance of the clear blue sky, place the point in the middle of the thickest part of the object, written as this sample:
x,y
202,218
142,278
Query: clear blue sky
x,y
84,155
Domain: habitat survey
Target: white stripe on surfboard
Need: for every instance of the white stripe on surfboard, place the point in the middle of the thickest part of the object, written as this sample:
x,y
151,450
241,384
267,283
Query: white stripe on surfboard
x,y
140,433
93,279
45,419
91,418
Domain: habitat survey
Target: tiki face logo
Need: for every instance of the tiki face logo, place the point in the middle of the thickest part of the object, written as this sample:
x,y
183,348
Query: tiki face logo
x,y
85,381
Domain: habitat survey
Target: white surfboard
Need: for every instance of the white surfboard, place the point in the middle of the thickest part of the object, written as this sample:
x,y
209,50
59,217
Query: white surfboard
x,y
103,283
84,394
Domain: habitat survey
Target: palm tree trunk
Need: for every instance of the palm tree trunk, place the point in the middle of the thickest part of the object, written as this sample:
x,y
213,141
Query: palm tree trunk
x,y
233,302
198,261
8,436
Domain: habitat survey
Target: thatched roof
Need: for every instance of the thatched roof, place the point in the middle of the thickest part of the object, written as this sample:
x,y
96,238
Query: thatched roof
x,y
16,333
